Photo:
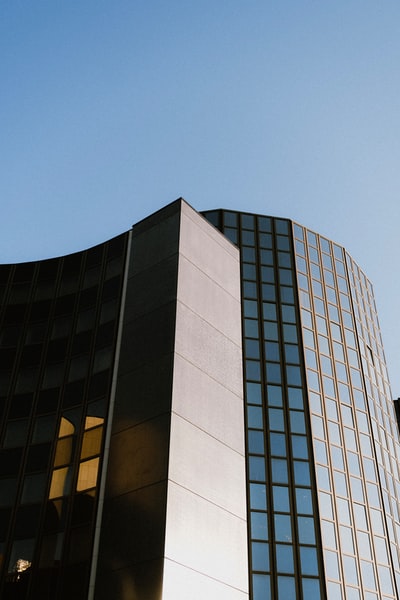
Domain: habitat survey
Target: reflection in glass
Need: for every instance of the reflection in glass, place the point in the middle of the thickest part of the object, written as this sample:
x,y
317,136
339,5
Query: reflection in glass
x,y
60,483
87,476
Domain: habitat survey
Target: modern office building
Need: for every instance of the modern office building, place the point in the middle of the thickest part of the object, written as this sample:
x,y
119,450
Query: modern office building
x,y
197,408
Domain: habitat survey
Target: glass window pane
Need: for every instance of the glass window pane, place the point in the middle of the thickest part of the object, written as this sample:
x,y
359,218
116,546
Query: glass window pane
x,y
273,372
280,495
309,561
299,446
274,395
277,444
286,588
253,393
87,476
269,311
284,558
257,468
259,525
283,528
272,351
279,470
295,397
306,530
301,473
297,422
255,441
254,417
260,556
261,587
258,498
253,370
293,375
304,501
276,421
311,589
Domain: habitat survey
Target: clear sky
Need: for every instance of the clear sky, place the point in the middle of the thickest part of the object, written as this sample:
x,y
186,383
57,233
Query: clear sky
x,y
110,109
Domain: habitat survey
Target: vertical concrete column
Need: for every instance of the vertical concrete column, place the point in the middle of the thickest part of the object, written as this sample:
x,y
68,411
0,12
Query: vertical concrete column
x,y
206,531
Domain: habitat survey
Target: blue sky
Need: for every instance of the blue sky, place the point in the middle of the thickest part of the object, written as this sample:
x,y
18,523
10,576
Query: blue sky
x,y
111,109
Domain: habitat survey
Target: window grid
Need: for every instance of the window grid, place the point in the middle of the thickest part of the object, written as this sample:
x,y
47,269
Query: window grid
x,y
339,445
54,416
283,537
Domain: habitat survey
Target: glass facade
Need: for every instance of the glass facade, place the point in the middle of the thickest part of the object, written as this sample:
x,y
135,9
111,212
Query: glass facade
x,y
58,327
322,437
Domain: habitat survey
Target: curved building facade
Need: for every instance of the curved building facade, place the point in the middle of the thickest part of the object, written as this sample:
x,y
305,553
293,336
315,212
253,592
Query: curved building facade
x,y
194,412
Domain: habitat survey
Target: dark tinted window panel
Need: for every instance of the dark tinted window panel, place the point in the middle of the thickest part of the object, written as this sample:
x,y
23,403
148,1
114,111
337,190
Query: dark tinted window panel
x,y
105,334
31,355
74,393
116,246
82,342
83,509
8,491
55,515
38,457
10,336
65,305
48,269
94,256
45,290
88,297
5,516
14,314
16,433
10,461
75,582
111,288
5,271
48,401
72,264
19,293
99,384
80,544
57,350
24,272
27,521
20,406
7,357
40,311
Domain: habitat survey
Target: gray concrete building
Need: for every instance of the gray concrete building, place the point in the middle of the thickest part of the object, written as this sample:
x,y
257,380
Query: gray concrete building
x,y
197,408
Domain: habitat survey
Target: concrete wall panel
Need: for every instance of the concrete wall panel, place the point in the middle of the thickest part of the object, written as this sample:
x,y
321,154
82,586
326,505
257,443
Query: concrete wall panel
x,y
208,404
205,538
193,464
178,580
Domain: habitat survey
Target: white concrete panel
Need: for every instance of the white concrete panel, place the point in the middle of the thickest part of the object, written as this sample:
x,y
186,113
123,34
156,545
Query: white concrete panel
x,y
208,299
207,248
202,464
206,538
208,404
207,348
181,583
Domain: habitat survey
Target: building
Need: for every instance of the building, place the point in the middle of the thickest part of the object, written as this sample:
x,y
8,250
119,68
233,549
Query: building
x,y
183,418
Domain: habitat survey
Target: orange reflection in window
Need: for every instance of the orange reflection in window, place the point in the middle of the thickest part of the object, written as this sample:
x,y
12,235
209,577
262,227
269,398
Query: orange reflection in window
x,y
93,422
91,444
87,476
58,481
66,428
63,451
